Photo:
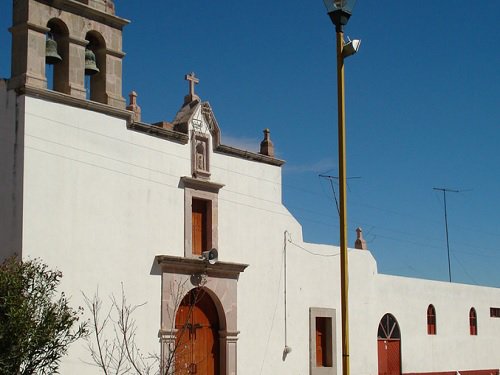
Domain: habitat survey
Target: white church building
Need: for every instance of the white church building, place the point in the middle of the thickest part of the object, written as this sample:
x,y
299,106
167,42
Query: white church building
x,y
109,200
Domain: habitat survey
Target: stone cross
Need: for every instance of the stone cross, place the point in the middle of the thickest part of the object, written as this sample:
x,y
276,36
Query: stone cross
x,y
192,81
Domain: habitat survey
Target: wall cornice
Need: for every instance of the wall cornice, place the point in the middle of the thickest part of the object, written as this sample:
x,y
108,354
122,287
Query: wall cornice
x,y
191,266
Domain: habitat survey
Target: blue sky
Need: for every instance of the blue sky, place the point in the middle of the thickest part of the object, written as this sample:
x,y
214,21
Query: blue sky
x,y
422,102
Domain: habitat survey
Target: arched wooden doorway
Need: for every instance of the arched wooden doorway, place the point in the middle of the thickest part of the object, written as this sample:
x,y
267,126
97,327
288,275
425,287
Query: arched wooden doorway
x,y
197,337
389,346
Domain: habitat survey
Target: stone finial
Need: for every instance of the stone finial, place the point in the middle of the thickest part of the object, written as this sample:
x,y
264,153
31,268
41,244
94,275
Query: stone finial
x,y
134,107
266,146
193,80
360,241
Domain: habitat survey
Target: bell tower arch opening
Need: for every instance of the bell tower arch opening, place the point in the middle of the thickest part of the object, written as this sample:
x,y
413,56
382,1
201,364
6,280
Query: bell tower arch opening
x,y
57,56
55,43
95,67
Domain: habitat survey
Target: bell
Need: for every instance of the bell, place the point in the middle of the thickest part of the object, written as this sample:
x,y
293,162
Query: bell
x,y
51,55
90,63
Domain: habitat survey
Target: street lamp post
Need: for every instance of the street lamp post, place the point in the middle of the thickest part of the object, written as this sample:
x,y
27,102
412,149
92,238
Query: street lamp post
x,y
339,12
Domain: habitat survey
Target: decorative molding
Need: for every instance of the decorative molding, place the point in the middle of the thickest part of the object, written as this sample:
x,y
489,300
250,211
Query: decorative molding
x,y
115,53
228,150
59,97
190,266
200,155
193,183
81,9
159,132
29,26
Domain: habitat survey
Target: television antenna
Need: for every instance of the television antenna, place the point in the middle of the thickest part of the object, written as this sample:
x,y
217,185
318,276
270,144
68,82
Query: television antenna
x,y
446,190
331,178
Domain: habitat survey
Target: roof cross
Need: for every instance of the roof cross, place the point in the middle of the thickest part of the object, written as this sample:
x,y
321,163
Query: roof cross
x,y
193,80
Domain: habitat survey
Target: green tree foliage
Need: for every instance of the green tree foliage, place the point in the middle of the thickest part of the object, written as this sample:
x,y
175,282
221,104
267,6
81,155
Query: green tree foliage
x,y
36,322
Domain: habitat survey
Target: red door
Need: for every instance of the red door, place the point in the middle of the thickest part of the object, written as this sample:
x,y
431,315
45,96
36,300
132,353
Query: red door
x,y
389,358
197,335
389,346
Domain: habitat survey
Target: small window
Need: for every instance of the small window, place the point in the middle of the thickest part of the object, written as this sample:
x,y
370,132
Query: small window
x,y
322,341
495,312
473,322
431,320
201,224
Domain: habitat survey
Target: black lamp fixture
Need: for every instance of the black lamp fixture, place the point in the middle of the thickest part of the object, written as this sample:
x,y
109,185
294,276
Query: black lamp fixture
x,y
339,12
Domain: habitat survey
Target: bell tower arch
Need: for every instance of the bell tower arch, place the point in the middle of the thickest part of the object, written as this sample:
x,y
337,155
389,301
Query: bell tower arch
x,y
76,25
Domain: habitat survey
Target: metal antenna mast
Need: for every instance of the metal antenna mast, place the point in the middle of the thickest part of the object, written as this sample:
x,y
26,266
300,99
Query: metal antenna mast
x,y
445,190
331,178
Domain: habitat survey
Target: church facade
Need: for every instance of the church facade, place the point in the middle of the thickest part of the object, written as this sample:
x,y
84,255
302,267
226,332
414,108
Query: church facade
x,y
196,229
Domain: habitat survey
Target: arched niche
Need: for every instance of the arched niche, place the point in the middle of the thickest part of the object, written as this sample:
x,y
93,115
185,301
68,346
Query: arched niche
x,y
58,74
96,83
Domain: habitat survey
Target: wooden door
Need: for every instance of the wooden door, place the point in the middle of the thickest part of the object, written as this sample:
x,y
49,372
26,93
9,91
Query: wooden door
x,y
389,346
197,335
389,357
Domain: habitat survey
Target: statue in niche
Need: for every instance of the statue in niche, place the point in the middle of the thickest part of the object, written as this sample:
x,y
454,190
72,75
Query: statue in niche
x,y
200,161
200,157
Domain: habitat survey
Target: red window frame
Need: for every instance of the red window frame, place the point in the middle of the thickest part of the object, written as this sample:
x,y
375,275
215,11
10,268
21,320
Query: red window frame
x,y
473,322
431,320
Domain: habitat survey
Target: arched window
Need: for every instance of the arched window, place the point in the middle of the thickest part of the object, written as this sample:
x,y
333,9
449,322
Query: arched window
x,y
473,321
431,320
95,78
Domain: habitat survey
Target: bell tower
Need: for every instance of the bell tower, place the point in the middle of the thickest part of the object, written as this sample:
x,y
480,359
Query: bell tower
x,y
85,34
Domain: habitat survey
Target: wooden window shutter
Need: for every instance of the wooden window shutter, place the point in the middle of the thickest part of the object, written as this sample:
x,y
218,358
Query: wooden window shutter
x,y
199,226
321,342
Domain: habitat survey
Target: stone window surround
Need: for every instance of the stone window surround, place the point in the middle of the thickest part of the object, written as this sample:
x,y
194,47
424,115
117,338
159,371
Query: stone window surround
x,y
220,282
198,189
320,312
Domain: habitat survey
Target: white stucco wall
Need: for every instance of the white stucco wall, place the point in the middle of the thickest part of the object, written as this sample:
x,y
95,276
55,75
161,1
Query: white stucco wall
x,y
11,151
101,201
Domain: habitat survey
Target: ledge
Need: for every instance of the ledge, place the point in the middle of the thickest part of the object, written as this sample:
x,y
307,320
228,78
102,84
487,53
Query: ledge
x,y
204,185
59,97
89,12
228,150
159,132
190,266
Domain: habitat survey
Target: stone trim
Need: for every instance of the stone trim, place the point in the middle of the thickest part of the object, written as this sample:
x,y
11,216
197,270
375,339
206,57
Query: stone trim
x,y
193,183
29,26
208,113
77,41
159,132
232,151
319,312
83,10
115,53
190,266
59,97
220,282
208,191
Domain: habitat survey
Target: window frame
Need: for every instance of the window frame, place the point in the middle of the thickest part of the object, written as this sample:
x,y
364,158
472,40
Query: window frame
x,y
328,316
473,321
431,320
202,190
494,312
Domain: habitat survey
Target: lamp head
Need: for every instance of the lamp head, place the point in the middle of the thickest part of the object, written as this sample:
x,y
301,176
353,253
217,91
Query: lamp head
x,y
339,11
351,47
